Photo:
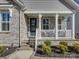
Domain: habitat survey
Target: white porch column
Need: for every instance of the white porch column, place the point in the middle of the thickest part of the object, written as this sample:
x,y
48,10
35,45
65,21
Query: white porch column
x,y
65,26
56,24
36,39
40,16
73,26
38,32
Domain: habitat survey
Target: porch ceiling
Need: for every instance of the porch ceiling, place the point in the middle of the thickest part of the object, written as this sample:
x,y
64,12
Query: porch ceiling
x,y
46,14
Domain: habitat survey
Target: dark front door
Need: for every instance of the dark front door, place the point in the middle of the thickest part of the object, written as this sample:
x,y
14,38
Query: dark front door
x,y
33,25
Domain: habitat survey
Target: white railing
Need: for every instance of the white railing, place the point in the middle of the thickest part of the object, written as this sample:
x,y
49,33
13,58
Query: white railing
x,y
61,33
47,33
69,33
64,33
51,33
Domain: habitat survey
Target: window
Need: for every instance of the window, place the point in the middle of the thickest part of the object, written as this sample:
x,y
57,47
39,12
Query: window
x,y
45,24
69,23
4,21
60,22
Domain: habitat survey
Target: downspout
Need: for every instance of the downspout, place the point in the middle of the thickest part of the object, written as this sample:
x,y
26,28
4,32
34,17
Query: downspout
x,y
19,28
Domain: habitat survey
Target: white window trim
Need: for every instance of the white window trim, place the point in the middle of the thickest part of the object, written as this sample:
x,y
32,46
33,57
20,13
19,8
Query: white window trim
x,y
6,5
5,22
61,12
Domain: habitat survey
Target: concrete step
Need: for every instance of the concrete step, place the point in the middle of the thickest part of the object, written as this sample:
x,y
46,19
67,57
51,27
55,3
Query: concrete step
x,y
25,48
24,44
24,41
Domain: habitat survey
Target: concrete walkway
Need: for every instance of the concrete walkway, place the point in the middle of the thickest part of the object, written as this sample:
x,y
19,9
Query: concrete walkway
x,y
28,54
21,54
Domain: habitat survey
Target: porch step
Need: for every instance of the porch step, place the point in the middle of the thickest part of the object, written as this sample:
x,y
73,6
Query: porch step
x,y
25,45
32,43
24,41
25,48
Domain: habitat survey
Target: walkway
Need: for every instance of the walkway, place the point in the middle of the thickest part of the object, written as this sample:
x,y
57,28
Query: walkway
x,y
28,54
21,54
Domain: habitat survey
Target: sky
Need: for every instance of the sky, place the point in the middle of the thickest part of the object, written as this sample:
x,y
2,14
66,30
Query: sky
x,y
77,1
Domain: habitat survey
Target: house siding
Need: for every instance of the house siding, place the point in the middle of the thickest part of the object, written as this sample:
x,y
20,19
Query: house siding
x,y
77,23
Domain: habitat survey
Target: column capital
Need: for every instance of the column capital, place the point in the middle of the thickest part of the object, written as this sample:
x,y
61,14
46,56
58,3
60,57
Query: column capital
x,y
10,9
40,15
57,15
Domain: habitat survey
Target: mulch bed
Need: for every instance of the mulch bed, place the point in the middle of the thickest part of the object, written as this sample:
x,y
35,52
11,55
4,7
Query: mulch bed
x,y
8,50
56,53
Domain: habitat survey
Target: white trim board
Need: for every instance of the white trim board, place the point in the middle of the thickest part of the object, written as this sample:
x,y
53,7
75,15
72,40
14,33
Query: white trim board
x,y
6,6
28,12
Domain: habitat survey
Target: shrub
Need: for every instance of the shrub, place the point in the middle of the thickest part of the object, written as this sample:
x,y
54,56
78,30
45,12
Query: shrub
x,y
76,47
1,50
47,42
63,48
46,49
63,43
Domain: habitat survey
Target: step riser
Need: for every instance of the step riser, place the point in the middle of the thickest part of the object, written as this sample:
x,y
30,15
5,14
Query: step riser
x,y
25,45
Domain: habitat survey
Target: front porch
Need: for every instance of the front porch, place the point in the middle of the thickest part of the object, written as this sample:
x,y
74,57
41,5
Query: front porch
x,y
56,26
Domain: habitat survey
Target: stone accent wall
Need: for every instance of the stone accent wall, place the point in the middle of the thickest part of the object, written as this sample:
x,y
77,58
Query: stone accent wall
x,y
23,27
12,36
7,38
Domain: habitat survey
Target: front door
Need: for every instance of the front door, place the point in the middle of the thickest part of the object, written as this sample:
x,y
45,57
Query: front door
x,y
33,25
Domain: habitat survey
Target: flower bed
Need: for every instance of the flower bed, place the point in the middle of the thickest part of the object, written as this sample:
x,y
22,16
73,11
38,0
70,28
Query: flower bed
x,y
56,53
62,50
